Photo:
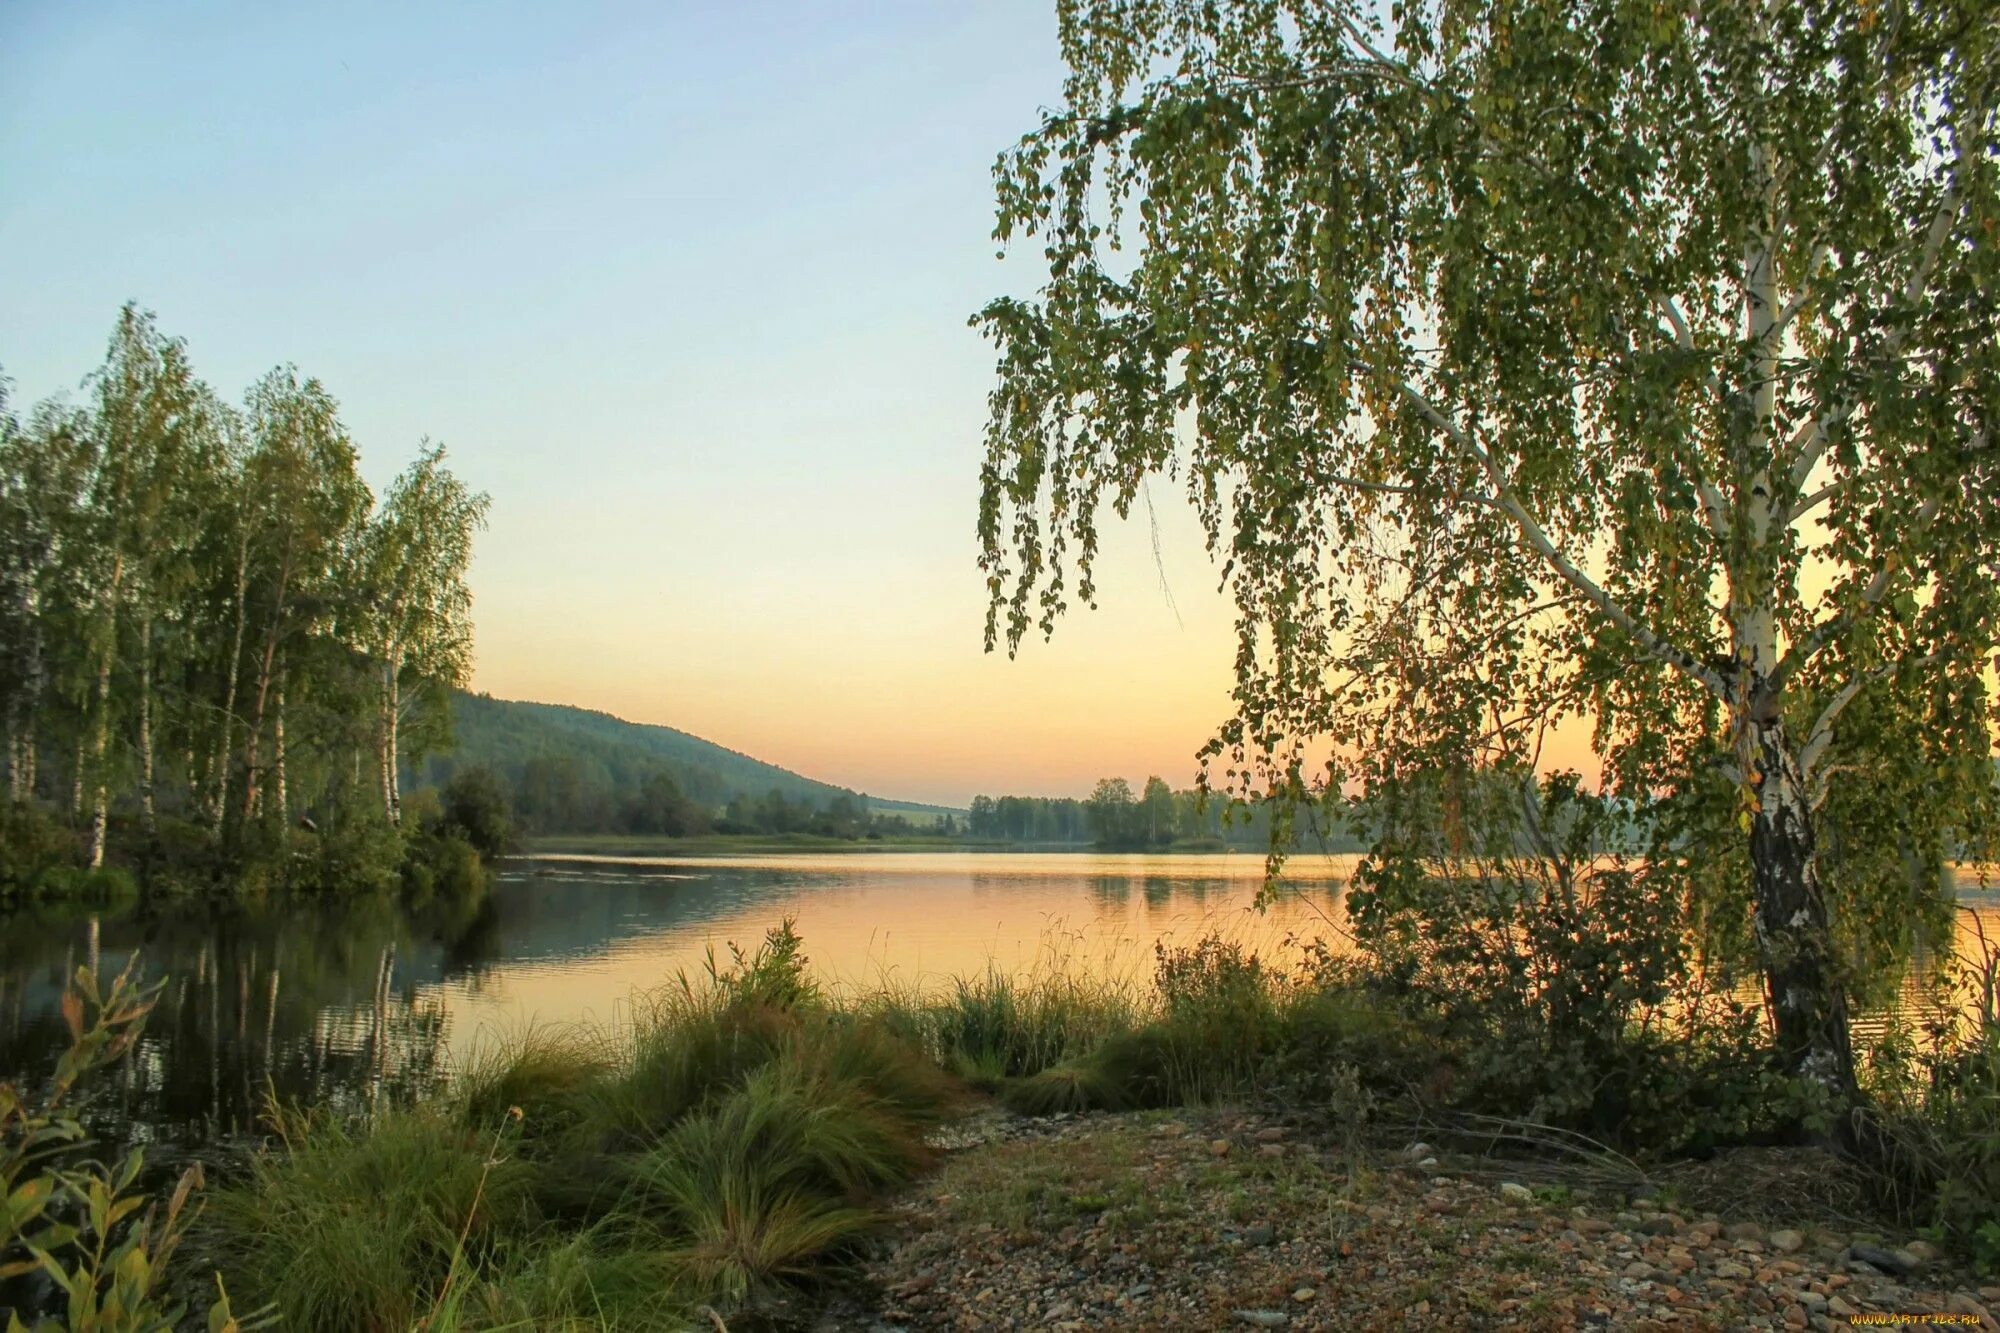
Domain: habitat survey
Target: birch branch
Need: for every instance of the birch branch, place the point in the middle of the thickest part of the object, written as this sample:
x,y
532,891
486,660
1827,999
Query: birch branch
x,y
1538,538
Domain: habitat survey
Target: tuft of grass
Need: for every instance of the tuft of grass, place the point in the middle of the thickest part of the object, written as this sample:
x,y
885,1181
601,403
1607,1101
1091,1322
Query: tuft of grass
x,y
611,1276
997,1027
360,1226
690,1049
545,1072
757,1184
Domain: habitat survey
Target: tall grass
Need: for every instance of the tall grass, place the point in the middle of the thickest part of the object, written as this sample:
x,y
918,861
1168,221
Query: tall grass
x,y
357,1226
739,1138
735,1143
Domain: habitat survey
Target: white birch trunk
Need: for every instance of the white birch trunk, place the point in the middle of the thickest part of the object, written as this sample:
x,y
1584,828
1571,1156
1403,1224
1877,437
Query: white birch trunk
x,y
100,810
225,734
280,795
147,808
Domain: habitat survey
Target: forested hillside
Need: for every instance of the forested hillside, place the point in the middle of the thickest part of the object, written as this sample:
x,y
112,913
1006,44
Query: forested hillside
x,y
573,770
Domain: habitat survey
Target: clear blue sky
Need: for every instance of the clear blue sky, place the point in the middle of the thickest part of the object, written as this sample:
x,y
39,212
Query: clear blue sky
x,y
684,287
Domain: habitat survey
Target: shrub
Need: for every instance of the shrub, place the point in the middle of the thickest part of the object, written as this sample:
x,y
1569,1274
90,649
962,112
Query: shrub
x,y
442,867
611,1276
1220,1025
32,845
1560,984
474,806
691,1049
756,1184
774,975
546,1072
999,1027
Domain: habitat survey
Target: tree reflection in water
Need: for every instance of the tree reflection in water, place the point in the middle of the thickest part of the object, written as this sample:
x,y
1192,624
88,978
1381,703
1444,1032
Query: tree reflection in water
x,y
316,1003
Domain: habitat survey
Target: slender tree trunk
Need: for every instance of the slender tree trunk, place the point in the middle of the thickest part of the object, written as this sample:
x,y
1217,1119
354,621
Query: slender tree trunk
x,y
100,800
253,757
220,810
255,778
278,754
21,720
392,796
1808,1001
76,779
147,808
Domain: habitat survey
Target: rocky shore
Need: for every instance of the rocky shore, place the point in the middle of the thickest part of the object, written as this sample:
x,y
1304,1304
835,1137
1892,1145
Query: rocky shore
x,y
1221,1220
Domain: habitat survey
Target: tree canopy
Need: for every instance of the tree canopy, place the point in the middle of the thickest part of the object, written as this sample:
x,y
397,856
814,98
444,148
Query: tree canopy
x,y
203,612
1522,360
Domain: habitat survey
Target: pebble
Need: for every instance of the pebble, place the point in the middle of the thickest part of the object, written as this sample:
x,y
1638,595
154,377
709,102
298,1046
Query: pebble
x,y
1171,1255
1893,1262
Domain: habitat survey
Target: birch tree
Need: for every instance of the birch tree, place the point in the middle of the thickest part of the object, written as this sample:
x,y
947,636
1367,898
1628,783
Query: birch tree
x,y
417,624
1627,359
45,468
307,504
153,421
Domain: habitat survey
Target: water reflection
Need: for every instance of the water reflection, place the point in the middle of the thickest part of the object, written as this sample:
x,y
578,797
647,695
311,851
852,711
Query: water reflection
x,y
312,1001
358,1002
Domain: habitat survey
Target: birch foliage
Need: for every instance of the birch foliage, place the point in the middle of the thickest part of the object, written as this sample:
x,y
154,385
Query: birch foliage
x,y
1634,359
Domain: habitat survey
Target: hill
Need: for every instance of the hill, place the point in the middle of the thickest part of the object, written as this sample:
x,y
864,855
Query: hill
x,y
917,813
556,755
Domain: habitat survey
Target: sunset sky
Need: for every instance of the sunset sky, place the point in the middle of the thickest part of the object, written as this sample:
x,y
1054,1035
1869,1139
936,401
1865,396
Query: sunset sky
x,y
684,287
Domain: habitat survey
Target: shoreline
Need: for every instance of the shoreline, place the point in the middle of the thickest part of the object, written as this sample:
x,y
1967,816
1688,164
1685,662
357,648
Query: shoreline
x,y
1222,1218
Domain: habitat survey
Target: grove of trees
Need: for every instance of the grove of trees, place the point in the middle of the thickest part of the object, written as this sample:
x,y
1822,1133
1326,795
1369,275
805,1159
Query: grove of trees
x,y
205,616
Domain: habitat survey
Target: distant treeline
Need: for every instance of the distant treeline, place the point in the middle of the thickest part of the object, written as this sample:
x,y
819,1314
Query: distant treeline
x,y
205,615
1115,818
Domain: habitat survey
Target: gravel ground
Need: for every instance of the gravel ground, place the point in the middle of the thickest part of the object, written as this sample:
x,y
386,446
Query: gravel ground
x,y
1225,1220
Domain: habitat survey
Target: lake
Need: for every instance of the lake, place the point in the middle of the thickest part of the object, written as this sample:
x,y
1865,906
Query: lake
x,y
349,1003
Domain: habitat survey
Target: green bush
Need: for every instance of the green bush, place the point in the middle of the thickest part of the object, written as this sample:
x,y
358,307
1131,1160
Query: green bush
x,y
547,1073
104,886
32,845
474,806
1553,981
442,867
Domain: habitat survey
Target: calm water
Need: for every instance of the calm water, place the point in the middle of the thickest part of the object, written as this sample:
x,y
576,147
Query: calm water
x,y
353,1003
